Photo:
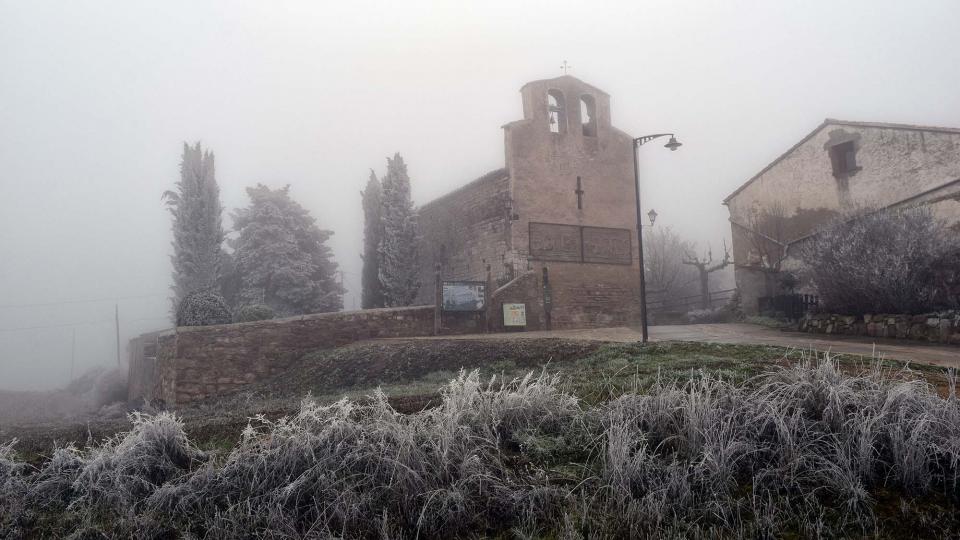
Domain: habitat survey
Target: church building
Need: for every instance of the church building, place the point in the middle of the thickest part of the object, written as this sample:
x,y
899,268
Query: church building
x,y
563,202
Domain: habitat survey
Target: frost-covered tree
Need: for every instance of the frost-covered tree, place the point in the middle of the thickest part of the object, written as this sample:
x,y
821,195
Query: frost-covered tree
x,y
400,246
197,231
880,262
282,256
372,294
203,308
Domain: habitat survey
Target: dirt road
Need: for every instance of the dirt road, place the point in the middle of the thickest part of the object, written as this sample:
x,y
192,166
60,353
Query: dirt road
x,y
750,334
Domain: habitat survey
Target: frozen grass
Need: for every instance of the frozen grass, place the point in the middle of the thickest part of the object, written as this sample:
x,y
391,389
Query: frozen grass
x,y
807,450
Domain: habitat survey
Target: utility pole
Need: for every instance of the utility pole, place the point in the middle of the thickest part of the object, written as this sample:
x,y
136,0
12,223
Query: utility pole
x,y
116,324
73,354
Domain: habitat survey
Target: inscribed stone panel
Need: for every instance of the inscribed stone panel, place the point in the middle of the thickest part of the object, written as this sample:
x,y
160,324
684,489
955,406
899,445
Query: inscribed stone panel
x,y
554,242
608,246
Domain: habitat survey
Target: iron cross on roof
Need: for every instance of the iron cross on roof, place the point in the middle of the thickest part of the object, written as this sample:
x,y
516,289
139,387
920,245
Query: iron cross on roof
x,y
565,67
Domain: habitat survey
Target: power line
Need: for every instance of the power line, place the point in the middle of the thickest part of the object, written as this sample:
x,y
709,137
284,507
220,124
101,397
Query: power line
x,y
82,323
67,325
89,301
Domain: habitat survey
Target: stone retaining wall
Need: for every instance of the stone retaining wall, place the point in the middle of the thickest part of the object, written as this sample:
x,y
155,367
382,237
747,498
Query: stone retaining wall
x,y
943,327
191,363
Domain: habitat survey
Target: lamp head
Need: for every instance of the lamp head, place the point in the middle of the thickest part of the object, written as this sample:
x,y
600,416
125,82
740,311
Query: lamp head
x,y
652,214
673,144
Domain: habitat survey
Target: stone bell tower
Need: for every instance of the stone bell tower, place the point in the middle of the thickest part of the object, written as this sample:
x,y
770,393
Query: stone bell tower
x,y
573,196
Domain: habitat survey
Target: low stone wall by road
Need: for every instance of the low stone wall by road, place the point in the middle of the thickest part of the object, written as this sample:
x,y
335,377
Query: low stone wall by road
x,y
191,363
941,327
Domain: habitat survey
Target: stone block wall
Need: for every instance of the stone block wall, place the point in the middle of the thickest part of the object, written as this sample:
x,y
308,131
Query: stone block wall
x,y
943,327
525,289
192,363
464,231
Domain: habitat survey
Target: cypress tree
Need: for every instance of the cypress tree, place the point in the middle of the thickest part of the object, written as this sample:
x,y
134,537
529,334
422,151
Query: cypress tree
x,y
197,230
372,293
400,246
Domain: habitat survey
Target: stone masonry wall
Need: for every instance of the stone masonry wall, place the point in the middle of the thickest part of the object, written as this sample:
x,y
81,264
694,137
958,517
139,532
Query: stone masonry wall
x,y
197,362
574,178
525,289
464,231
941,327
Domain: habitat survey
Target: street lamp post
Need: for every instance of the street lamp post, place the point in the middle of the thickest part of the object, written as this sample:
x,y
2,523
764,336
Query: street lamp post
x,y
673,144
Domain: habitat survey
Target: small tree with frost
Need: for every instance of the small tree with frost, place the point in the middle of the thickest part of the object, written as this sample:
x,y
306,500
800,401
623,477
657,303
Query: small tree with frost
x,y
881,262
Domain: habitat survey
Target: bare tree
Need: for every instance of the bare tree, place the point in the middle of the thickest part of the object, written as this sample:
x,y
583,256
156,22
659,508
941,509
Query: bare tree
x,y
767,231
705,266
664,252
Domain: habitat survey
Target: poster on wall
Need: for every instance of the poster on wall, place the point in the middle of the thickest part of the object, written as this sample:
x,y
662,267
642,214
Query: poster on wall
x,y
464,295
514,314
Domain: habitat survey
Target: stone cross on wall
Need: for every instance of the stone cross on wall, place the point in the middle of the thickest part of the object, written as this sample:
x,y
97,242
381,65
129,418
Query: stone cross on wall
x,y
579,191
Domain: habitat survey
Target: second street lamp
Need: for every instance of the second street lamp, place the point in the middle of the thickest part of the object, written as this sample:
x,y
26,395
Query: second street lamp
x,y
672,144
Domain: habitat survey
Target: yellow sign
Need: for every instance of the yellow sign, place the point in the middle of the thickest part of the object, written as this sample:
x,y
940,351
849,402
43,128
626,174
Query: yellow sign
x,y
514,314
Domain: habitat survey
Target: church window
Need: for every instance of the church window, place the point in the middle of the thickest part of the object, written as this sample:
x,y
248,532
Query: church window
x,y
555,112
843,157
588,115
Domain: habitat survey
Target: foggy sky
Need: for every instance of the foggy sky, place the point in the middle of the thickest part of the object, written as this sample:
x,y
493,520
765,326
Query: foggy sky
x,y
96,99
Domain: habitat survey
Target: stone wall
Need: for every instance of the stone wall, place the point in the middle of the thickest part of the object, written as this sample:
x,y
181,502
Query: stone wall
x,y
192,363
897,166
526,289
578,179
941,327
464,231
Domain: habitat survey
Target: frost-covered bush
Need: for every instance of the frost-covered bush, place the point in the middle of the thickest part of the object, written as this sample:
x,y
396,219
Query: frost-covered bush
x,y
254,312
13,488
804,451
882,262
203,308
728,312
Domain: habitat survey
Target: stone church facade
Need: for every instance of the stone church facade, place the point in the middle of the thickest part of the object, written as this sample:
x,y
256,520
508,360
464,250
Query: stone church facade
x,y
564,201
840,168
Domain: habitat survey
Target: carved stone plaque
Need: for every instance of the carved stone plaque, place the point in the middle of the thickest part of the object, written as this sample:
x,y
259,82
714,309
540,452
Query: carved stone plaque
x,y
573,243
609,246
554,242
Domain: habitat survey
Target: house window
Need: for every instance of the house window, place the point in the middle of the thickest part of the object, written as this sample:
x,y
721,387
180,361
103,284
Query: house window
x,y
843,156
555,112
588,115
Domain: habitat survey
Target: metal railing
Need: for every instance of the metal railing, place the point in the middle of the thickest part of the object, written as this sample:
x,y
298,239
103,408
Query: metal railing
x,y
691,302
791,306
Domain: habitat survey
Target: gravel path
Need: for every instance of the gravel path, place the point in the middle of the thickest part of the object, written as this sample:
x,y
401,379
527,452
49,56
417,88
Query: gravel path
x,y
750,334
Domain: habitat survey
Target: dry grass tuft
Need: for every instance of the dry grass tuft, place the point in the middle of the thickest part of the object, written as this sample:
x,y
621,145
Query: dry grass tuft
x,y
805,450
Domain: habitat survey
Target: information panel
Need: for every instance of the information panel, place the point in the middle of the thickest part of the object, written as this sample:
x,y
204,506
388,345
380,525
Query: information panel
x,y
514,314
464,295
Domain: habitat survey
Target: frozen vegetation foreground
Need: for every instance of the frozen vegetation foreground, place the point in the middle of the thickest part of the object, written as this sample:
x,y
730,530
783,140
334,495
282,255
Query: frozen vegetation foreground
x,y
806,451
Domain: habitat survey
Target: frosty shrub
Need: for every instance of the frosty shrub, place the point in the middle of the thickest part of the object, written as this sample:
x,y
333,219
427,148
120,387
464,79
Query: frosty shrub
x,y
883,262
255,312
203,308
804,451
111,387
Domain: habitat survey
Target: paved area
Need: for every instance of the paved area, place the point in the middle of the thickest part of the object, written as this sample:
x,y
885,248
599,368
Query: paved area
x,y
750,334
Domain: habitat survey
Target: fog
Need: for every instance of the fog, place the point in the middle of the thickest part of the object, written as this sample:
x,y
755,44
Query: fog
x,y
97,98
